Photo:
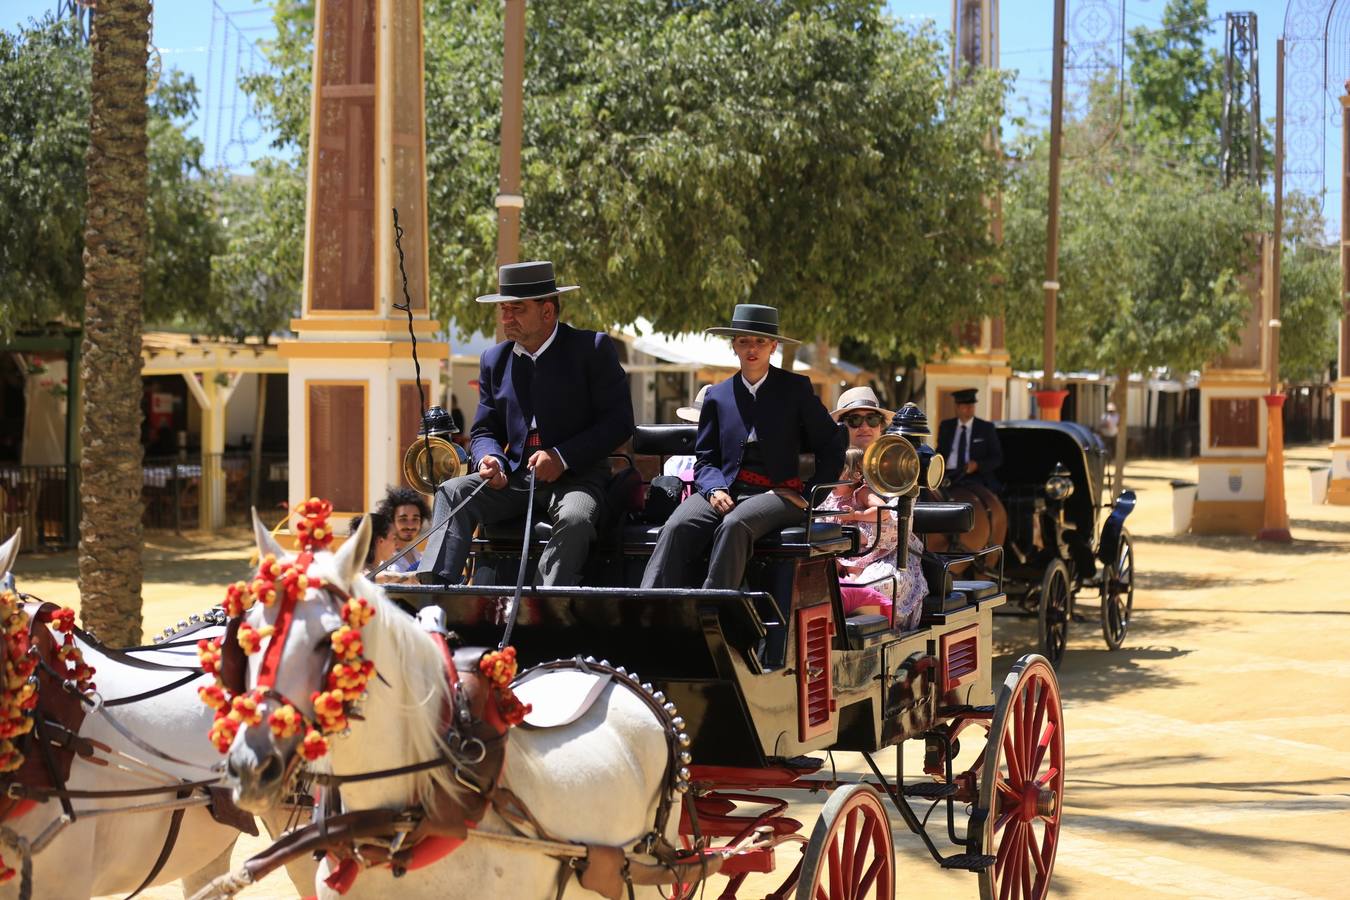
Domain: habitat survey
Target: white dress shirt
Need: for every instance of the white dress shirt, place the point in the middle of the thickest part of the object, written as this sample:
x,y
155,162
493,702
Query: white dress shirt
x,y
754,391
521,351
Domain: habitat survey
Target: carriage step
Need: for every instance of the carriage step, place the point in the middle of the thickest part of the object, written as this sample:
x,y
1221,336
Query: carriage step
x,y
971,862
931,790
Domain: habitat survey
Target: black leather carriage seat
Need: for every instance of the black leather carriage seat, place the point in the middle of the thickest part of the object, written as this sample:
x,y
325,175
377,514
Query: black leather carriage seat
x,y
975,591
943,518
864,626
664,440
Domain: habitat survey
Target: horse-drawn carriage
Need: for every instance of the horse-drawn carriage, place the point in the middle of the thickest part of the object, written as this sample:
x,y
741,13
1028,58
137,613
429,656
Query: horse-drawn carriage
x,y
743,685
1047,517
764,676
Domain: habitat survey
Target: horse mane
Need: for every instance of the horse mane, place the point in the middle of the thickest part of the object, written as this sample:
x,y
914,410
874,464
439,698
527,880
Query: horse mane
x,y
411,663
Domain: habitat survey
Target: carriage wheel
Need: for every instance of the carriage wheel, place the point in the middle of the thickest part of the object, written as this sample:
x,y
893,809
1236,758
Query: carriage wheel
x,y
1053,615
1022,784
1118,594
850,856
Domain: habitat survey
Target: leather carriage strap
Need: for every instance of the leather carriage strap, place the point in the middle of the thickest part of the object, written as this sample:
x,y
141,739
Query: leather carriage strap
x,y
170,839
125,656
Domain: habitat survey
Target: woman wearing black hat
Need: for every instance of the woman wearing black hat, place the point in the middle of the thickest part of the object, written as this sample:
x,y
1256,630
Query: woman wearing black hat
x,y
751,431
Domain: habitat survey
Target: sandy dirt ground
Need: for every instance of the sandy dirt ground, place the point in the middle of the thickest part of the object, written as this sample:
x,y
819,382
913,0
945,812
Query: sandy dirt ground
x,y
1209,757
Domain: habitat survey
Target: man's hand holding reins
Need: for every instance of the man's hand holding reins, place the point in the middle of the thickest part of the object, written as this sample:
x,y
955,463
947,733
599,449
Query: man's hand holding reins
x,y
490,470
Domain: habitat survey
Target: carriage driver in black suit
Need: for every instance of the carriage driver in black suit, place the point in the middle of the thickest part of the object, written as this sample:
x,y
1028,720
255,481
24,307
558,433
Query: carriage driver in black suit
x,y
751,429
969,445
551,398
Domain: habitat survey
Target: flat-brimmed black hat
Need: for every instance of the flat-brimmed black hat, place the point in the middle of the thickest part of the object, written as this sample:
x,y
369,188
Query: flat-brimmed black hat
x,y
526,281
965,395
755,320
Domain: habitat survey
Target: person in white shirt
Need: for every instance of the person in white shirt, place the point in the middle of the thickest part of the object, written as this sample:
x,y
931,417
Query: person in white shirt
x,y
683,466
969,444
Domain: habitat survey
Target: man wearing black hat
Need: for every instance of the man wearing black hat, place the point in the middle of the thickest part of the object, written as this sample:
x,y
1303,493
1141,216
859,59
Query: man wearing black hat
x,y
969,445
751,430
552,399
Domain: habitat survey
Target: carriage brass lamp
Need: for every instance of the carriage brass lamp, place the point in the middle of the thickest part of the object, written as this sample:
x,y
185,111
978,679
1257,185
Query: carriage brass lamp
x,y
433,458
910,422
1059,486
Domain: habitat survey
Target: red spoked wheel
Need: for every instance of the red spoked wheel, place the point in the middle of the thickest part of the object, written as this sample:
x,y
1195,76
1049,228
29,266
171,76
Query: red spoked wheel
x,y
1022,784
850,855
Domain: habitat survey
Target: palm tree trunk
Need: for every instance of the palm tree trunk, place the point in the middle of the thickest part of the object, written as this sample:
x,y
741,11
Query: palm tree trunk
x,y
114,261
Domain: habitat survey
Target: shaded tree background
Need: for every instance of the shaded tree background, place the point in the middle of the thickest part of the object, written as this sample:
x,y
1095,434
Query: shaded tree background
x,y
45,108
680,158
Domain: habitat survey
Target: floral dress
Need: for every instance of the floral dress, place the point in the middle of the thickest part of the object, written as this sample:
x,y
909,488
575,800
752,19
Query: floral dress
x,y
876,568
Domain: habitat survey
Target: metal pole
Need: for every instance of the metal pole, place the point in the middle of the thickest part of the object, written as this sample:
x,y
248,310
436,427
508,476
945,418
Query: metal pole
x,y
1254,126
1275,515
1277,250
1050,409
509,200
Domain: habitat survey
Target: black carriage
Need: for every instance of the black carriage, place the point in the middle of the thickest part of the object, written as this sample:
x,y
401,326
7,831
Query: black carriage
x,y
766,675
1058,541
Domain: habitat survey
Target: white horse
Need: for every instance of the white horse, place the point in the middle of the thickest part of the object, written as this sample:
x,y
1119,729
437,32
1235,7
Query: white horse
x,y
113,853
598,780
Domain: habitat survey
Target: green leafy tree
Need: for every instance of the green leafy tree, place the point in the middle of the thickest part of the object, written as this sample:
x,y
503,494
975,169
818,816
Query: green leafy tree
x,y
256,274
44,132
680,158
1310,293
1152,257
1176,87
44,135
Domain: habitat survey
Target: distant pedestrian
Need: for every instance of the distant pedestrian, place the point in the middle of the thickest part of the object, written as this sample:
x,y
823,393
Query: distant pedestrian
x,y
1108,426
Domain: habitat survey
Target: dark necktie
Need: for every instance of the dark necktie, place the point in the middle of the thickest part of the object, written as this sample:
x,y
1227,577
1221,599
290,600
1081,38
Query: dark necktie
x,y
522,379
961,451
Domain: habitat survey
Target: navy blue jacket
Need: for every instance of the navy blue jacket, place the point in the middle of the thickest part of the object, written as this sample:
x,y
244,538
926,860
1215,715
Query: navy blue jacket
x,y
581,401
985,449
788,420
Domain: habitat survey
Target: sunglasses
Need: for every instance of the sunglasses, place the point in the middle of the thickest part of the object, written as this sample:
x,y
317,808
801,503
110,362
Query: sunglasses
x,y
856,420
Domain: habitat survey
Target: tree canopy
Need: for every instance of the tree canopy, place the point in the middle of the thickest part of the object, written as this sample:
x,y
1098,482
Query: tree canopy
x,y
1151,254
256,271
44,108
680,158
1153,246
1310,292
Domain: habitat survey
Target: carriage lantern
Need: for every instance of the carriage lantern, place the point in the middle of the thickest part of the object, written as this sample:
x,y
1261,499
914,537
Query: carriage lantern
x,y
909,422
432,458
1059,486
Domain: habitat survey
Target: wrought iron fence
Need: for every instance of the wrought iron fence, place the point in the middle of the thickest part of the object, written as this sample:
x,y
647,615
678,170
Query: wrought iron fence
x,y
171,491
266,487
43,502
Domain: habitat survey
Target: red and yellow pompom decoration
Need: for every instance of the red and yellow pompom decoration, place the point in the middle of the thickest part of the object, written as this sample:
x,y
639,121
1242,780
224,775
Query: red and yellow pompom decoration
x,y
346,680
285,721
18,694
250,638
18,697
313,530
62,621
499,668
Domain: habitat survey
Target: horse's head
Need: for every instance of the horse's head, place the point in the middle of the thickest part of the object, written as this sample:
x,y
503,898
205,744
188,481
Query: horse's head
x,y
290,664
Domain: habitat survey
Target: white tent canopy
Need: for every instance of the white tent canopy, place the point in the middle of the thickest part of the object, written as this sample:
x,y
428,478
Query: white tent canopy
x,y
701,350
